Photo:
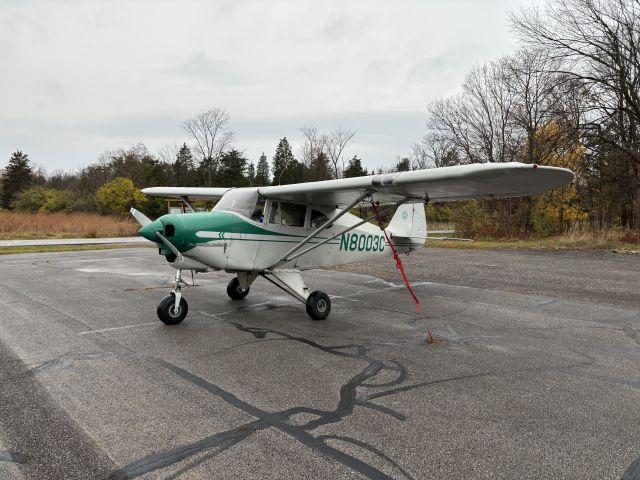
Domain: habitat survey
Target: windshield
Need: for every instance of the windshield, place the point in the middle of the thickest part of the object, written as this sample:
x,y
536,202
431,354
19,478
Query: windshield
x,y
239,200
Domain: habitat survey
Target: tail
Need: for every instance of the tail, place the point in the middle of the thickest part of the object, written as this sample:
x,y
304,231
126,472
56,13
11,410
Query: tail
x,y
408,227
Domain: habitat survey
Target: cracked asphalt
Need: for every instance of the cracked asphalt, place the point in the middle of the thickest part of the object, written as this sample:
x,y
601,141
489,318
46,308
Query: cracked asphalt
x,y
535,374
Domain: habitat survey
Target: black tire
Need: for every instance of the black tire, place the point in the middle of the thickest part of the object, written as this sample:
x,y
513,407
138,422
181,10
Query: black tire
x,y
166,311
318,305
234,291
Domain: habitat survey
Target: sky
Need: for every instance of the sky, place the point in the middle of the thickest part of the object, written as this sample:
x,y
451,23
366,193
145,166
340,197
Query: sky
x,y
78,78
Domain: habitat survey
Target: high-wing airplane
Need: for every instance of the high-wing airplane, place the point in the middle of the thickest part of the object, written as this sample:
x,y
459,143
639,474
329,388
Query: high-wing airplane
x,y
277,232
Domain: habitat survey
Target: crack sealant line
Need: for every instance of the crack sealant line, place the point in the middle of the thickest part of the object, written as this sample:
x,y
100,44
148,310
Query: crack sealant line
x,y
263,420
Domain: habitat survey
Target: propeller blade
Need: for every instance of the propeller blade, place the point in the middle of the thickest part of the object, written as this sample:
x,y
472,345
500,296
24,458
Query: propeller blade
x,y
169,245
140,217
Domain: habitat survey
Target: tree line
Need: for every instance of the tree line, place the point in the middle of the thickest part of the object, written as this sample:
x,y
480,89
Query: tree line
x,y
569,96
111,185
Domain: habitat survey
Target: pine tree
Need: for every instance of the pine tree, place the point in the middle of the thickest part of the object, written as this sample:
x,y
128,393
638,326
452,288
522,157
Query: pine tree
x,y
403,165
183,166
251,173
354,168
17,177
318,169
262,171
286,169
231,172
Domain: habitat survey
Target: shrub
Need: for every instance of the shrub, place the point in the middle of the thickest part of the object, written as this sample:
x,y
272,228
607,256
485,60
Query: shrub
x,y
58,201
438,213
45,200
469,218
31,200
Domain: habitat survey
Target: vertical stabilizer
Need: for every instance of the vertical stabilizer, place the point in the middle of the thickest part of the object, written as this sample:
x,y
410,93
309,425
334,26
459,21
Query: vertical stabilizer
x,y
408,227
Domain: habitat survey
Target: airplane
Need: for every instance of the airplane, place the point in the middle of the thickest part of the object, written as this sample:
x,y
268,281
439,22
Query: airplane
x,y
277,232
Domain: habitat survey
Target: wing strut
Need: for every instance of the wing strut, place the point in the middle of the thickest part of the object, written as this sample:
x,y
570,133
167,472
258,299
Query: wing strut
x,y
356,225
185,201
321,228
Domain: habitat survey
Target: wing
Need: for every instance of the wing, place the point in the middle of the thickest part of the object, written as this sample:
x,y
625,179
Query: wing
x,y
192,193
461,182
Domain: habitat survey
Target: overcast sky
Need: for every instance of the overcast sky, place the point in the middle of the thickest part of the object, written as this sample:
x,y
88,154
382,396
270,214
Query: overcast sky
x,y
81,77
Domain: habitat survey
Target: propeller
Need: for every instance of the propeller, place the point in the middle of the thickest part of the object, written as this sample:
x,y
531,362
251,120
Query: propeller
x,y
150,234
169,245
140,217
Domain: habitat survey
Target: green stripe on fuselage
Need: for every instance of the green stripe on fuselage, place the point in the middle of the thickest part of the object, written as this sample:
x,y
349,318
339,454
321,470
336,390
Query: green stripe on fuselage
x,y
188,225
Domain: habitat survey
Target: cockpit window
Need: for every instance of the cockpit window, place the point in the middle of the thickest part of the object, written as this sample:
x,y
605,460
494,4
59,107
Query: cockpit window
x,y
290,214
317,218
243,201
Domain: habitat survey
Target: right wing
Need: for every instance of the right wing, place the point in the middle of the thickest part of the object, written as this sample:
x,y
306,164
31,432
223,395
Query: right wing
x,y
460,182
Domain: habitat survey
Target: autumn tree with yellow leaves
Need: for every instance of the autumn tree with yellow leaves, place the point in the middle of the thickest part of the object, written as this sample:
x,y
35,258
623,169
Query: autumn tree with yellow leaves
x,y
556,210
118,196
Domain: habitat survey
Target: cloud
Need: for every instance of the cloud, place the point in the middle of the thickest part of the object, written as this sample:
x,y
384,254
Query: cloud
x,y
217,71
87,76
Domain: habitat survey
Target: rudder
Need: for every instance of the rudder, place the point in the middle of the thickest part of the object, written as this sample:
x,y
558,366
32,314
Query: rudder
x,y
408,227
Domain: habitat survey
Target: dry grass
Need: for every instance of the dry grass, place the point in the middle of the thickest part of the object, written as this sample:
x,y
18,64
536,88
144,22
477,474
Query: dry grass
x,y
65,248
440,226
14,226
606,240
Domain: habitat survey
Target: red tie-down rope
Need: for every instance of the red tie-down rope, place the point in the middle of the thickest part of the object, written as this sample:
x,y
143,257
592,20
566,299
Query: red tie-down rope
x,y
399,266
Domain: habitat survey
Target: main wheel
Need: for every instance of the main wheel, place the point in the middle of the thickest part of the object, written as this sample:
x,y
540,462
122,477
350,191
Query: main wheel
x,y
318,305
234,291
167,312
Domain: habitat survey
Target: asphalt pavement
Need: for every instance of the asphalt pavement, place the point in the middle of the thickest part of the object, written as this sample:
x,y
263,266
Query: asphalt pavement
x,y
534,375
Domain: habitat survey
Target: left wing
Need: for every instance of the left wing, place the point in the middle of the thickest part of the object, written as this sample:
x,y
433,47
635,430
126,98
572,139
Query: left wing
x,y
460,182
191,193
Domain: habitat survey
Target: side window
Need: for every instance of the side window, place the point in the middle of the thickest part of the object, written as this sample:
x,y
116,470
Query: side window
x,y
317,218
258,212
292,214
274,213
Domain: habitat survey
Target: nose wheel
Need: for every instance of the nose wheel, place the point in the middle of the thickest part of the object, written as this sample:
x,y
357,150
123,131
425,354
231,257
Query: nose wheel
x,y
168,313
173,308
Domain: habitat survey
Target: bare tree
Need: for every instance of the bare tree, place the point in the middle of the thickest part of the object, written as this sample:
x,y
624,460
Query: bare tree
x,y
313,145
314,154
168,152
433,151
335,143
447,123
420,158
597,43
478,122
212,136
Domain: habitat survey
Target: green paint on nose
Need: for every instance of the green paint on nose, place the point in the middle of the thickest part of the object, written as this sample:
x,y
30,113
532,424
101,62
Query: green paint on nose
x,y
150,229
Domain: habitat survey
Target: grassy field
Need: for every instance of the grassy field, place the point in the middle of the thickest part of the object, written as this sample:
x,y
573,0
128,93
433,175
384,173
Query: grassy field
x,y
606,240
65,248
16,226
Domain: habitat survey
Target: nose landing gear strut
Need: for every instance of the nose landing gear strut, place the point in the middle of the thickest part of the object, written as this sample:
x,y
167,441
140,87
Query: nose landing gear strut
x,y
173,308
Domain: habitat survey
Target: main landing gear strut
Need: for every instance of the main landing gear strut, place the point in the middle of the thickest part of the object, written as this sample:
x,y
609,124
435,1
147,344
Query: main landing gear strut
x,y
318,303
173,308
